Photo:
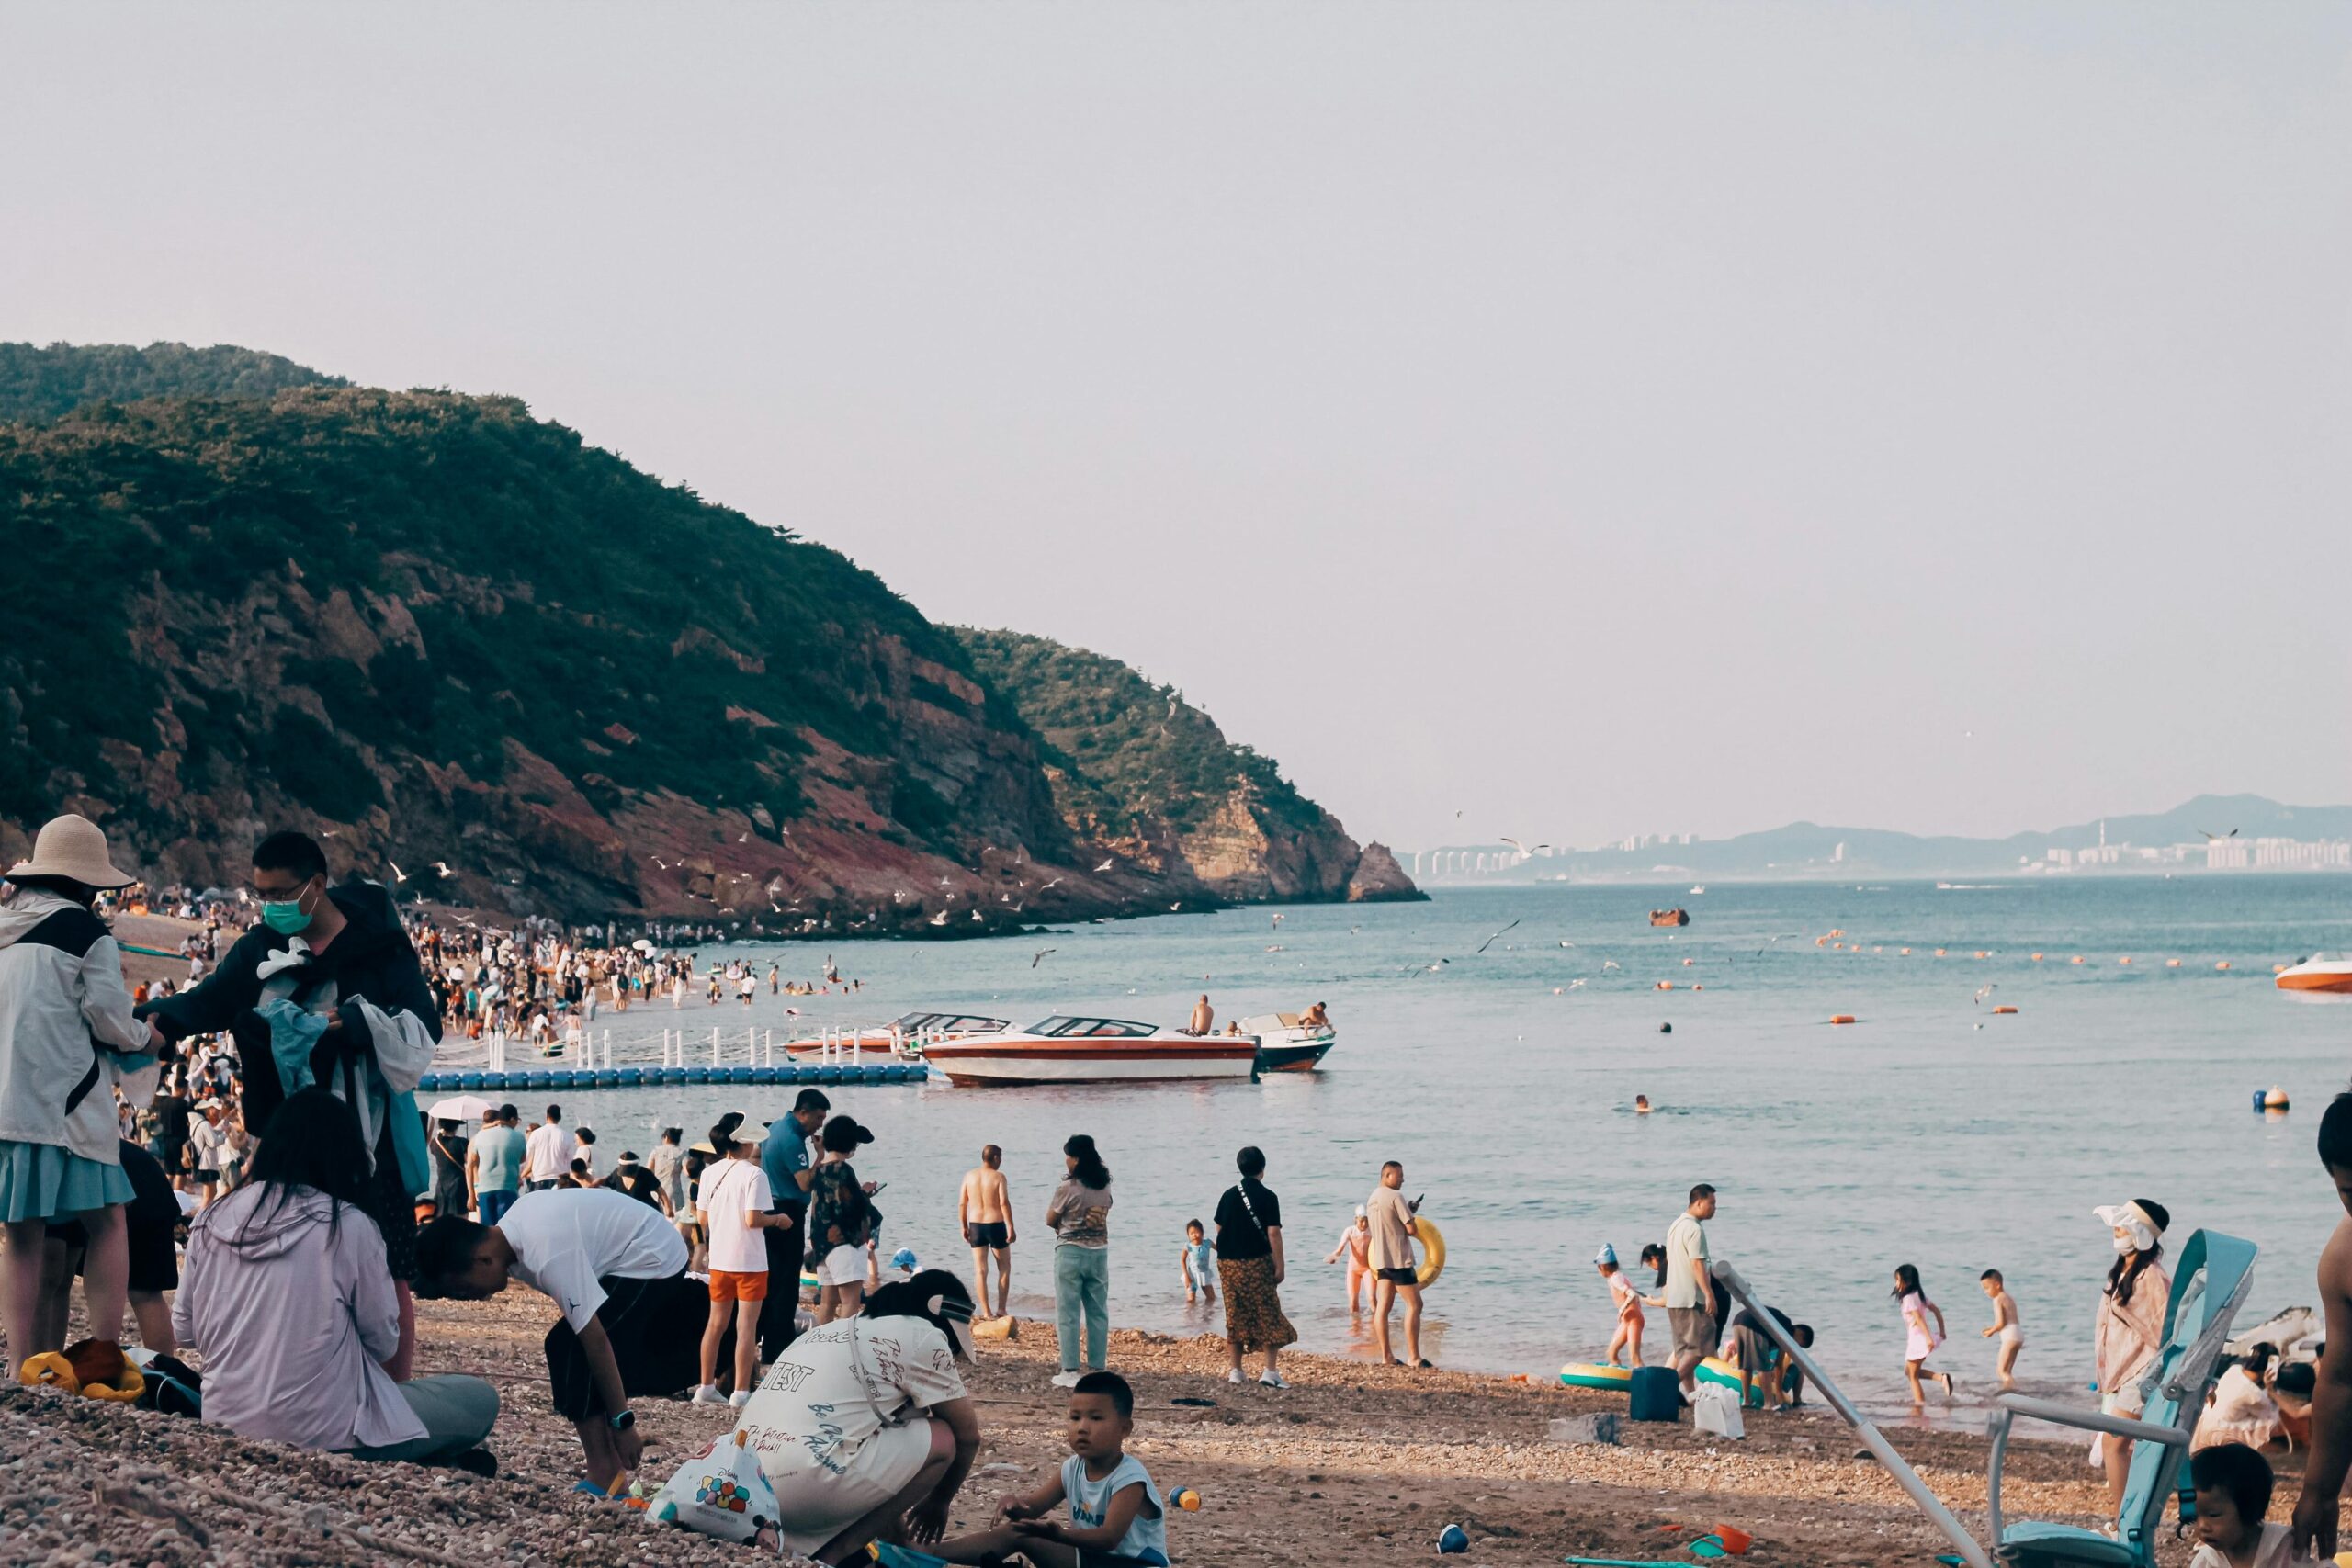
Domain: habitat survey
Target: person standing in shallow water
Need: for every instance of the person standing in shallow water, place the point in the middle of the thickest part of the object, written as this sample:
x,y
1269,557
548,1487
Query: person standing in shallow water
x,y
984,1209
1079,1217
1250,1266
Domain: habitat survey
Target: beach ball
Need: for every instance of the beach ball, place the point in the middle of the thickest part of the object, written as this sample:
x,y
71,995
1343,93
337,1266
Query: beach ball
x,y
1452,1539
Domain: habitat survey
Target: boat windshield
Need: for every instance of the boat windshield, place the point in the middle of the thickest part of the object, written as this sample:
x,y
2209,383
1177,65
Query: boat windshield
x,y
970,1023
913,1020
1063,1027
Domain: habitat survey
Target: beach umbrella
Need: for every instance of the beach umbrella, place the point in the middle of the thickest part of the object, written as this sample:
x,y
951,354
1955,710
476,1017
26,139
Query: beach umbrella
x,y
459,1107
642,945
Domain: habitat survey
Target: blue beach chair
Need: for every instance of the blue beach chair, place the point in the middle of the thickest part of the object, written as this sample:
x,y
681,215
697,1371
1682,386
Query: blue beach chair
x,y
2213,1275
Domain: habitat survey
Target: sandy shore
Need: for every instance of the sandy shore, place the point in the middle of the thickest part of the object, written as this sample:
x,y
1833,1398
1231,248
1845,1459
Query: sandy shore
x,y
1354,1464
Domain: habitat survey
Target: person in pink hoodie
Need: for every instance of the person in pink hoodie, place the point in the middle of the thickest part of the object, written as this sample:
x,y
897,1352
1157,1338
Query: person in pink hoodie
x,y
286,1294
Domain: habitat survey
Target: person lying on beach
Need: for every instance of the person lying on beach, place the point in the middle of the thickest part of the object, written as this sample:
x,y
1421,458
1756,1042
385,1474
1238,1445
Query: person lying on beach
x,y
632,1321
289,1299
1117,1519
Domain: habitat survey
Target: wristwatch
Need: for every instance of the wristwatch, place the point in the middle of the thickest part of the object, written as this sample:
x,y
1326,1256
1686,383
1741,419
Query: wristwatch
x,y
623,1422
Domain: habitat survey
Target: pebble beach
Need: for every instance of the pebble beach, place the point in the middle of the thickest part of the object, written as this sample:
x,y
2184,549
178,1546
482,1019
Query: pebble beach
x,y
1352,1464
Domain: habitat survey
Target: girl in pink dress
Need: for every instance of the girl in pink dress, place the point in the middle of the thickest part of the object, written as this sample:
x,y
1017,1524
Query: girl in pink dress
x,y
1921,1339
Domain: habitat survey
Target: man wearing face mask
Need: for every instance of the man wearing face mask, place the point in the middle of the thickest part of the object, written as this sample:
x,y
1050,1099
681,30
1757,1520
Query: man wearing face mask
x,y
326,990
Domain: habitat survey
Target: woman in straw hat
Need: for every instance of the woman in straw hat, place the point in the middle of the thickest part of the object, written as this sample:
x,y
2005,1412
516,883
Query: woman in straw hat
x,y
67,1038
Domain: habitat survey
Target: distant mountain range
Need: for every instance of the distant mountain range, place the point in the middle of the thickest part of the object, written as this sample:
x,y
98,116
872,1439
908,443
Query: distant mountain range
x,y
1808,849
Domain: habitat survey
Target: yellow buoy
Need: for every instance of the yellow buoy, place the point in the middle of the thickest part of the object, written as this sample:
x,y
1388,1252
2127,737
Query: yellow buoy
x,y
1432,1242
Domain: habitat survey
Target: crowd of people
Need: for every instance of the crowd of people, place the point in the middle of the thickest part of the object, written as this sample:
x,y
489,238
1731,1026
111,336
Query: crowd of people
x,y
265,1108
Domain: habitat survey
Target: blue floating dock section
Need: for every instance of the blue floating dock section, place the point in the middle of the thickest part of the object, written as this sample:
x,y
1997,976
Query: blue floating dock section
x,y
473,1080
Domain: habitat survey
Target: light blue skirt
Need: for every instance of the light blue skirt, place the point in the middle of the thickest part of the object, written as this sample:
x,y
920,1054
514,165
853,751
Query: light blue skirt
x,y
47,1182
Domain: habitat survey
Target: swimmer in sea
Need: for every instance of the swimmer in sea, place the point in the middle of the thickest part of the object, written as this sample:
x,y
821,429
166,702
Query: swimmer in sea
x,y
1641,1108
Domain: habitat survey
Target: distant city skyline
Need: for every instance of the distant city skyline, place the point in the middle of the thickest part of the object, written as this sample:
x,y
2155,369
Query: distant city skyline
x,y
1504,417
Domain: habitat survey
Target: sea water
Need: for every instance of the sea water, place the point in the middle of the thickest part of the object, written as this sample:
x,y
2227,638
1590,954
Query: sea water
x,y
1494,1041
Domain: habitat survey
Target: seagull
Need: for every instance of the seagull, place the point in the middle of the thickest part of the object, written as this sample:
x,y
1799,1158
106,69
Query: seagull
x,y
1575,985
1490,941
1566,944
2231,834
1984,991
1106,866
443,867
1040,956
398,875
1278,920
1523,849
1276,948
742,837
939,918
1610,964
975,914
659,861
1056,882
328,833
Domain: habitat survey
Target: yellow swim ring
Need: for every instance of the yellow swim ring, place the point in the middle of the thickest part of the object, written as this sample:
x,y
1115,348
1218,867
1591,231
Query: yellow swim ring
x,y
1432,1242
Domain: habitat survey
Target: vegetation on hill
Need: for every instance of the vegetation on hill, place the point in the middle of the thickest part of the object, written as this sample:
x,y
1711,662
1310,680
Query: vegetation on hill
x,y
310,595
38,384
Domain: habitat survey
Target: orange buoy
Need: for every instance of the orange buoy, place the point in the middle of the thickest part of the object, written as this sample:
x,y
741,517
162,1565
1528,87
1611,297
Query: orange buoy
x,y
2076,959
1698,987
1878,950
1906,953
2001,1008
1665,984
1841,1018
1821,942
1940,953
2172,963
2037,958
2125,959
2224,964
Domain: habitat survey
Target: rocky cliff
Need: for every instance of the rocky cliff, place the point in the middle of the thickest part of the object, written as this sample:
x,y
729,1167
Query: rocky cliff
x,y
497,666
1134,766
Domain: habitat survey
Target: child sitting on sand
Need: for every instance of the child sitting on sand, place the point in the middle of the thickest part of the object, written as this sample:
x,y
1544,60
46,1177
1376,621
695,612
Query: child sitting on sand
x,y
1116,1516
1197,1263
1627,1299
2232,1485
2005,1325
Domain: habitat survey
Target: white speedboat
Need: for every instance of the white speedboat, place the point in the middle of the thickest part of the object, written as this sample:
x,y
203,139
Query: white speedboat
x,y
1288,1043
1071,1048
2320,971
913,1029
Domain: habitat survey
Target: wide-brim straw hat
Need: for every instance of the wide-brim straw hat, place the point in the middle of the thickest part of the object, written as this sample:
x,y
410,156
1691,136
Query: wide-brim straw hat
x,y
74,848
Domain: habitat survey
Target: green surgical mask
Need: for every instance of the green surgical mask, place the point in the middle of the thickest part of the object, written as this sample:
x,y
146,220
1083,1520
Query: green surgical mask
x,y
285,916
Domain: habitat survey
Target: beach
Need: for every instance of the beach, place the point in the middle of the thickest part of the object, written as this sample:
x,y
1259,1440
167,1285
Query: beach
x,y
1351,1465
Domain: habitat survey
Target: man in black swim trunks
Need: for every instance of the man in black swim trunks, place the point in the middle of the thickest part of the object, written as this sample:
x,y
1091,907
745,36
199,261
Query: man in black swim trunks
x,y
984,1209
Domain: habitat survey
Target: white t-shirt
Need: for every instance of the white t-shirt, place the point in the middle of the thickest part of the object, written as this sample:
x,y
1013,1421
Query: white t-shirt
x,y
2270,1552
548,1151
840,1383
567,1238
1686,1242
732,1193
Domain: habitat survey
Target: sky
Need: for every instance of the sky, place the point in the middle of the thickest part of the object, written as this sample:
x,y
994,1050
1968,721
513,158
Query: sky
x,y
1566,422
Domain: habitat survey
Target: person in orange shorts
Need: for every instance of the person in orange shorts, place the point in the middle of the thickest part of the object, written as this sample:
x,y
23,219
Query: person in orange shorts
x,y
732,1205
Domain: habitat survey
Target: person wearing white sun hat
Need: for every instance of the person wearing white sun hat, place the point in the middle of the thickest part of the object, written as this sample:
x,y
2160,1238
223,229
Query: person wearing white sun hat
x,y
67,1039
2130,1329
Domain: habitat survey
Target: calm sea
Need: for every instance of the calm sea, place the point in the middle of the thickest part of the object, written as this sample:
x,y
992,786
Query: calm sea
x,y
1932,1132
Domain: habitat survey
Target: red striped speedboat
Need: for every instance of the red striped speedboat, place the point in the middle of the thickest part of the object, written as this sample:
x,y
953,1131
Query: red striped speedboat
x,y
1069,1048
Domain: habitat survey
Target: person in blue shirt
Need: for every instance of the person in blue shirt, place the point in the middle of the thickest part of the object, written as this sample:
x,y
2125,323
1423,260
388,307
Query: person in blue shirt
x,y
783,1157
1117,1519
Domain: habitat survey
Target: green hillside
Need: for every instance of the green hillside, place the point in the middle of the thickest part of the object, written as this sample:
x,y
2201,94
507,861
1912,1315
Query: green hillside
x,y
39,384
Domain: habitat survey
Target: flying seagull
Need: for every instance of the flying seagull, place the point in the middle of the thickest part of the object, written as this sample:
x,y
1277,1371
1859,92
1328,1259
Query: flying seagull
x,y
2231,834
1106,865
398,875
1524,852
1986,989
1040,957
443,867
1490,941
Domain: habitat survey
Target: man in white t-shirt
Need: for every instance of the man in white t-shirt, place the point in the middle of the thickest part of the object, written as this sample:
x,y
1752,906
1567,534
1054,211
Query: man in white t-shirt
x,y
1691,1305
617,1267
547,1154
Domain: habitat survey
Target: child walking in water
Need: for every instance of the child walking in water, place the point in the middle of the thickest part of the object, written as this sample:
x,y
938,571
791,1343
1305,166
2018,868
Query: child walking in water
x,y
1198,1264
2005,1326
1356,1242
1922,1341
1627,1299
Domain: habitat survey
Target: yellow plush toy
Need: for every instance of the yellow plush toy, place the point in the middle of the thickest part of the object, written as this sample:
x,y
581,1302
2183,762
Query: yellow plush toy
x,y
95,1369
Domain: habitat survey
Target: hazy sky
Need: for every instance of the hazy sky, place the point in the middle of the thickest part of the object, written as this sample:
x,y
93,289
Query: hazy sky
x,y
1587,419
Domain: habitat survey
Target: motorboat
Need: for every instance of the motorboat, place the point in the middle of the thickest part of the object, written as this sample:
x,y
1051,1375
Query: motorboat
x,y
2320,971
1074,1048
1674,917
1287,1043
916,1028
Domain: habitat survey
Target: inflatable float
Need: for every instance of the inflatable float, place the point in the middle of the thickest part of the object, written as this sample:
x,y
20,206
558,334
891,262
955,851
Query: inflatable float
x,y
1432,1242
1599,1374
